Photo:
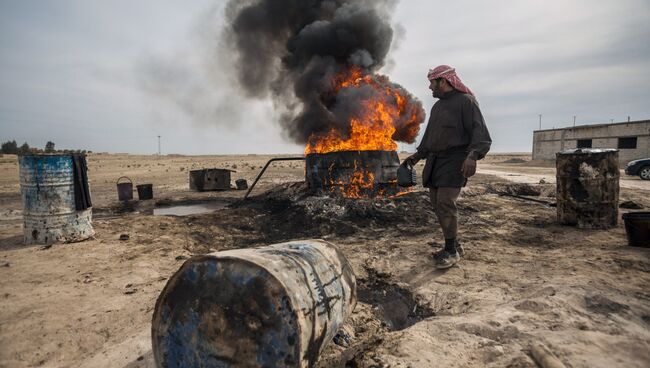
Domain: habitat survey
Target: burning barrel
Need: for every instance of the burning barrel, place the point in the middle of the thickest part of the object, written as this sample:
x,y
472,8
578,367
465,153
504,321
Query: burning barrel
x,y
354,174
266,307
588,187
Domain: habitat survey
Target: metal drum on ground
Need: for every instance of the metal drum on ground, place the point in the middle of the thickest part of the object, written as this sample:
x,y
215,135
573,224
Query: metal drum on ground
x,y
588,188
49,211
276,306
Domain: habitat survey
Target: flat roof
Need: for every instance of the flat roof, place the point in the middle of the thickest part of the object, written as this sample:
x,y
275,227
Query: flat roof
x,y
578,127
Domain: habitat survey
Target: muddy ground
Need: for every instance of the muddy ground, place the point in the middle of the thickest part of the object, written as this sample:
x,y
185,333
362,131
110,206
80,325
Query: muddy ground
x,y
525,280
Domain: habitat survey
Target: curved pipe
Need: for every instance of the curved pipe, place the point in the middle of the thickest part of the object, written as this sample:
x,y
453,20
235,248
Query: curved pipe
x,y
267,165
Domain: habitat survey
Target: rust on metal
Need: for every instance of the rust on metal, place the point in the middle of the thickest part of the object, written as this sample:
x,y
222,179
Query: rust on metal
x,y
49,210
588,188
276,306
338,170
210,179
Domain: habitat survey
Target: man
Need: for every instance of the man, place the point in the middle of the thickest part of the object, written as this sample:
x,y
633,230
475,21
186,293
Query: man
x,y
455,138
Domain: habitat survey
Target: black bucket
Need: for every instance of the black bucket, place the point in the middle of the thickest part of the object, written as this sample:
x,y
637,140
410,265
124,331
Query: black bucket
x,y
145,191
124,190
637,227
242,184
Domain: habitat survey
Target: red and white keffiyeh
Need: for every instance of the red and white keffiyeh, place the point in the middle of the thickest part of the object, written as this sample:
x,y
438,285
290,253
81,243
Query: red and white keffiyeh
x,y
449,74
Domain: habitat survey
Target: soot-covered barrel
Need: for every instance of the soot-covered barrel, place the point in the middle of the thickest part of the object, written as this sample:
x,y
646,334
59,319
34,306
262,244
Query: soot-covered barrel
x,y
276,306
369,172
588,188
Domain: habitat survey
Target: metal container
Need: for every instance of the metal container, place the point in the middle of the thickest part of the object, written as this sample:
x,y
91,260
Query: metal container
x,y
241,184
406,176
210,179
339,169
637,228
49,211
276,306
145,191
124,190
588,188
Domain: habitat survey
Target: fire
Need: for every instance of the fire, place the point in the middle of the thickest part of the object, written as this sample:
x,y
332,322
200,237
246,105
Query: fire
x,y
361,182
363,137
385,115
376,125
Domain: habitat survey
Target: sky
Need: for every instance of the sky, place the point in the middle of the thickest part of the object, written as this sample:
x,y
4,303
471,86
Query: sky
x,y
79,73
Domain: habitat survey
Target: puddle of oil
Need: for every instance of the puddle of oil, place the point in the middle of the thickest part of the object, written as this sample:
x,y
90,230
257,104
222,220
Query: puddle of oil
x,y
189,209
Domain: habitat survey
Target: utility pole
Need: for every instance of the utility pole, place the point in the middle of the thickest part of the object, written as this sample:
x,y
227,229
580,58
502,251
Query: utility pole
x,y
158,145
574,120
540,121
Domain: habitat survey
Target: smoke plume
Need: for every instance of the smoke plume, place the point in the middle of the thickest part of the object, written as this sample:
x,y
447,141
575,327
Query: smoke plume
x,y
294,50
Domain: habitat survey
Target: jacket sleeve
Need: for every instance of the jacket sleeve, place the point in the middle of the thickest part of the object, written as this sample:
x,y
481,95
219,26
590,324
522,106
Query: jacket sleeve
x,y
475,127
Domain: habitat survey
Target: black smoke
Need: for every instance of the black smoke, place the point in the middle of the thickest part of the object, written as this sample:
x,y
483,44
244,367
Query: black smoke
x,y
293,50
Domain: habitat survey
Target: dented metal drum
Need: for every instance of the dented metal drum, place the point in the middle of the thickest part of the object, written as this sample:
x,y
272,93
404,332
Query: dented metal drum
x,y
49,211
588,188
276,306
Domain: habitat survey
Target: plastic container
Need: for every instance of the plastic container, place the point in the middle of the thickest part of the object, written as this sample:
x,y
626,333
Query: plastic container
x,y
637,227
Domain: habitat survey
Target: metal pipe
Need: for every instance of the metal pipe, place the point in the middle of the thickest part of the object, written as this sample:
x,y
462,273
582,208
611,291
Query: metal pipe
x,y
267,165
276,306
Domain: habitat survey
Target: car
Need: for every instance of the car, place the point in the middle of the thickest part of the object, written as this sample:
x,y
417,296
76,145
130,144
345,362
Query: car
x,y
639,167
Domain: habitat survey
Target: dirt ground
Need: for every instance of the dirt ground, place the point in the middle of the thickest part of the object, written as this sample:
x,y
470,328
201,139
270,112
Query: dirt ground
x,y
524,281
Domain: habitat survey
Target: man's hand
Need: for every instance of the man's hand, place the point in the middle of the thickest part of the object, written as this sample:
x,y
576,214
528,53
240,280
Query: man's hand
x,y
469,168
411,160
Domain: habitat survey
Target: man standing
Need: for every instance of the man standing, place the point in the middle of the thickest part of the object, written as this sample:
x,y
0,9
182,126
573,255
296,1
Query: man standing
x,y
455,138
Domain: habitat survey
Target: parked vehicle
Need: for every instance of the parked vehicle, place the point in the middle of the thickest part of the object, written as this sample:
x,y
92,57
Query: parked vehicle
x,y
639,167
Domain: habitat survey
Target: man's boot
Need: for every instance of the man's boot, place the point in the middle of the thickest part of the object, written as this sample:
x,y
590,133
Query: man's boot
x,y
448,256
459,249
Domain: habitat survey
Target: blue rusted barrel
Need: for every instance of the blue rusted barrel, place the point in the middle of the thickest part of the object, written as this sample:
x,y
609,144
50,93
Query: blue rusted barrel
x,y
276,306
49,210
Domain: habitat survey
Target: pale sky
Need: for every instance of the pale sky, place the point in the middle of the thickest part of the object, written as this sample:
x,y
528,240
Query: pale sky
x,y
75,71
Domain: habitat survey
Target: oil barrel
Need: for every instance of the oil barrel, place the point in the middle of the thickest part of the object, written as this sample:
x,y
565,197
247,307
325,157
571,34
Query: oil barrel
x,y
49,211
367,173
588,188
275,306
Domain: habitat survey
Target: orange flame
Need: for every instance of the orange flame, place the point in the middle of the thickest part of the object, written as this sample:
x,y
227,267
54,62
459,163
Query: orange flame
x,y
374,129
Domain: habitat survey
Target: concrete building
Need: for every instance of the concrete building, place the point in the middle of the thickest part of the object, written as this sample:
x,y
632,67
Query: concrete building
x,y
632,139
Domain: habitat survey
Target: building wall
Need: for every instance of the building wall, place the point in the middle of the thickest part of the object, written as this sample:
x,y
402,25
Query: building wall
x,y
548,142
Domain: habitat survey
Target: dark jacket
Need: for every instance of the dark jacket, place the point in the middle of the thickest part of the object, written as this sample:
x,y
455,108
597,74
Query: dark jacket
x,y
456,131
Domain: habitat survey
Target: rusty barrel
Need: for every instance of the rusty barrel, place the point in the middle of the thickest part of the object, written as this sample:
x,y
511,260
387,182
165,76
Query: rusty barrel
x,y
49,211
375,171
588,188
276,306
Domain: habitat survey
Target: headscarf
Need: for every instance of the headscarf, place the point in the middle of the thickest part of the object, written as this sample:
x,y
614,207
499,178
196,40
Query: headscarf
x,y
449,74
